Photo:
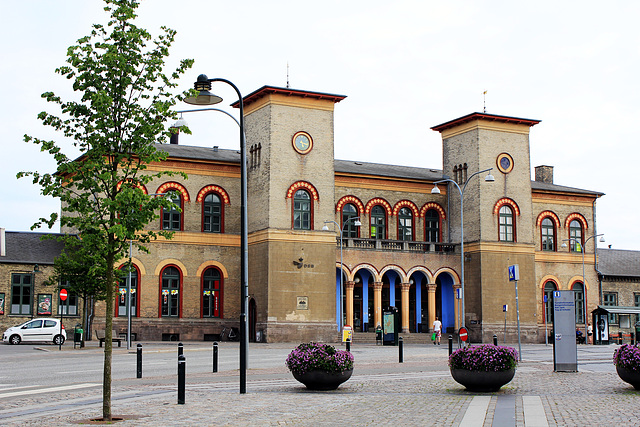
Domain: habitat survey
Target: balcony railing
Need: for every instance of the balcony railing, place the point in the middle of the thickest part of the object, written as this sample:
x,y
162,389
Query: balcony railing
x,y
396,245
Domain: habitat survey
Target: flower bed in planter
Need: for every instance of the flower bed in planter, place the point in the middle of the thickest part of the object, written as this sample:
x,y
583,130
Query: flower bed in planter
x,y
320,366
484,367
627,362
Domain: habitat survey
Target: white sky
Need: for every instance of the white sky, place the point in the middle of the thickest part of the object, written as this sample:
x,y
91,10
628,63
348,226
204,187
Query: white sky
x,y
405,67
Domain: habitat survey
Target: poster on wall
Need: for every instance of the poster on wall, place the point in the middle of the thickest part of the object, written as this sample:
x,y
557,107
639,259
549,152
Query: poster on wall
x,y
1,303
44,304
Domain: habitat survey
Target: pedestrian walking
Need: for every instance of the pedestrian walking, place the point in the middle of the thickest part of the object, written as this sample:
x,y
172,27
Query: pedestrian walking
x,y
437,330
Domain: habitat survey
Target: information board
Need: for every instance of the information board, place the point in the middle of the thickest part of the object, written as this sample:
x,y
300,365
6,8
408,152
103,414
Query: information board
x,y
565,350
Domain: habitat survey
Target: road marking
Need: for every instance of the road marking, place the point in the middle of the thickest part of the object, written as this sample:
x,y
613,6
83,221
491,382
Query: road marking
x,y
84,370
4,387
534,415
49,390
476,412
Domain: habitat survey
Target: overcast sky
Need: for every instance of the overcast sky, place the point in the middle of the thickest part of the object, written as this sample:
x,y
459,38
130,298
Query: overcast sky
x,y
405,66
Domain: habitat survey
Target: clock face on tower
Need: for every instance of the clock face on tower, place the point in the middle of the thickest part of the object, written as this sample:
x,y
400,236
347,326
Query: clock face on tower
x,y
505,163
302,142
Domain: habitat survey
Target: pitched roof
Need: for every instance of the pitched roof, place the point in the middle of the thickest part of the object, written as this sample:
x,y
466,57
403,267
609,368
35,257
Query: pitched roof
x,y
543,186
24,247
379,169
618,262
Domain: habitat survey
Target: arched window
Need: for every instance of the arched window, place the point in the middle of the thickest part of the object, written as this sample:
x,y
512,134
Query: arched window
x,y
301,210
122,291
547,235
212,214
549,287
578,294
378,222
170,292
575,235
405,224
349,211
211,293
172,218
506,224
432,226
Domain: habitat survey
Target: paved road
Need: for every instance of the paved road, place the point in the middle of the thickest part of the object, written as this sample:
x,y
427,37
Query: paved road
x,y
45,386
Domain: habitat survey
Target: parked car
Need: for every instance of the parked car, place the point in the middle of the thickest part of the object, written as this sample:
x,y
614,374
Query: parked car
x,y
36,330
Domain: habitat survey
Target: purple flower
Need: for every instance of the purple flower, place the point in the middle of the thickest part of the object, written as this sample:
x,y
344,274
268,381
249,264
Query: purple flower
x,y
316,356
628,357
485,357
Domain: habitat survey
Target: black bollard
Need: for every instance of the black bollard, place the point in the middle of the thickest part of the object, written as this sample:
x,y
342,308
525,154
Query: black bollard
x,y
495,339
215,356
139,367
400,345
450,344
180,348
181,378
349,346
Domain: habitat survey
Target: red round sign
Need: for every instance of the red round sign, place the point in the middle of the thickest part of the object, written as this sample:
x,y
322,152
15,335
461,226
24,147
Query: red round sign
x,y
463,334
63,294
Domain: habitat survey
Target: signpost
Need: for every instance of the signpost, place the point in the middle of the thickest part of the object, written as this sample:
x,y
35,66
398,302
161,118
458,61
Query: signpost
x,y
63,297
505,308
565,350
546,331
514,276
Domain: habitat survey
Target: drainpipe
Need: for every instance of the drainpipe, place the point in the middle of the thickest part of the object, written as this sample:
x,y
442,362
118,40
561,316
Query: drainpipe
x,y
595,252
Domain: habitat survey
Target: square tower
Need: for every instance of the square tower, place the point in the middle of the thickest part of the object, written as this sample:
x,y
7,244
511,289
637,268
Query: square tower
x,y
291,182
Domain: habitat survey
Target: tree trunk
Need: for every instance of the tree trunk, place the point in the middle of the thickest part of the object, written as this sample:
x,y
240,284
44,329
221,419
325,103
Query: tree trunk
x,y
108,344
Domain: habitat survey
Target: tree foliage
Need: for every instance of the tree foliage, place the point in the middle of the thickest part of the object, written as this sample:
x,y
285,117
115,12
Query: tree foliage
x,y
123,101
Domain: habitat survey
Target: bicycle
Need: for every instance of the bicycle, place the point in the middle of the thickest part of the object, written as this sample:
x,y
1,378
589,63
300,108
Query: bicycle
x,y
229,334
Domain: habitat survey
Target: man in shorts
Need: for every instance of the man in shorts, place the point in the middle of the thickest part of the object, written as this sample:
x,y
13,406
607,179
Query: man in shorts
x,y
437,329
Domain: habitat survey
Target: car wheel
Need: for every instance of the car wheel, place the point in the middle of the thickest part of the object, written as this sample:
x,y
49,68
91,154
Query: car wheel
x,y
15,339
58,340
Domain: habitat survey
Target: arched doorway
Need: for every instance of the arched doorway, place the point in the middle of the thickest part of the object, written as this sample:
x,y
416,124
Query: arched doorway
x,y
445,302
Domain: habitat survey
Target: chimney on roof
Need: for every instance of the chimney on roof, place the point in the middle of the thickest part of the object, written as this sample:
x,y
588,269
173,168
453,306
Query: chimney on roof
x,y
544,174
3,245
215,148
174,135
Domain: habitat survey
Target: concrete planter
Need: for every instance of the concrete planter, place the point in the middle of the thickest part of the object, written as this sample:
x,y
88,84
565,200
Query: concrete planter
x,y
629,376
321,380
482,381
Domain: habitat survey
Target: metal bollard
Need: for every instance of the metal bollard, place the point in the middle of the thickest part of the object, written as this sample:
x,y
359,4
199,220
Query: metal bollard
x,y
139,364
450,344
215,356
180,348
400,347
181,378
349,346
495,339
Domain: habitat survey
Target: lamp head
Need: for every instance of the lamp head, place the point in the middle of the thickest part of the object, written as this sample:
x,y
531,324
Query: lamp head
x,y
357,223
602,239
180,122
325,228
564,245
435,189
489,178
204,97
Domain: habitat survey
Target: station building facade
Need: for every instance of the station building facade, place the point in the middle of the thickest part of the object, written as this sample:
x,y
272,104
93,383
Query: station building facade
x,y
405,252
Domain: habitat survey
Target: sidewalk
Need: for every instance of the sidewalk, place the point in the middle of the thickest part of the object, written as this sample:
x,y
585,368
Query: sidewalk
x,y
381,391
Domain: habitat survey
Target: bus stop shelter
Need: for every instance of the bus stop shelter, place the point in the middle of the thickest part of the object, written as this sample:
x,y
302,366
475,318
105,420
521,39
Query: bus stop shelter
x,y
628,324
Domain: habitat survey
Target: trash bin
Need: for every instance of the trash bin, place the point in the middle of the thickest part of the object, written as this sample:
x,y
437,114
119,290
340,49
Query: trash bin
x,y
77,336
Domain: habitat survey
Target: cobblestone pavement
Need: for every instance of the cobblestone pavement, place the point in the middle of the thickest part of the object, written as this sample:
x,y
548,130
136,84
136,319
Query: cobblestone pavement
x,y
381,391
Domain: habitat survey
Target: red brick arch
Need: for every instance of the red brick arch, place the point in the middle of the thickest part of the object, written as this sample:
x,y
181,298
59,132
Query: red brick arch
x,y
303,185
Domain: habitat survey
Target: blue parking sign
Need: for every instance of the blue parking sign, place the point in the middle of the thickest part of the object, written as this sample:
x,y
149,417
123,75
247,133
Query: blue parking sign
x,y
514,273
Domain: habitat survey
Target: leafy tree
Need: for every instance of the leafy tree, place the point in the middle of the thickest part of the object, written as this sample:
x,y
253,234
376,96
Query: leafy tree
x,y
124,102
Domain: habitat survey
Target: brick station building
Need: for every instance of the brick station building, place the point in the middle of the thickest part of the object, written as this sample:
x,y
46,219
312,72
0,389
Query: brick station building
x,y
405,253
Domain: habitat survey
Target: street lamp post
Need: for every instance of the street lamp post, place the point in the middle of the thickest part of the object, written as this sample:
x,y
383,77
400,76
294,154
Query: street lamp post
x,y
436,190
357,223
584,281
204,97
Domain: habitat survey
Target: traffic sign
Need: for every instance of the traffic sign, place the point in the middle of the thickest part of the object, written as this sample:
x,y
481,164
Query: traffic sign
x,y
514,273
63,294
463,334
505,308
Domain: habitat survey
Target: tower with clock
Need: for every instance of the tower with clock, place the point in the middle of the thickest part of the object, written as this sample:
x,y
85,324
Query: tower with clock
x,y
291,182
497,215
